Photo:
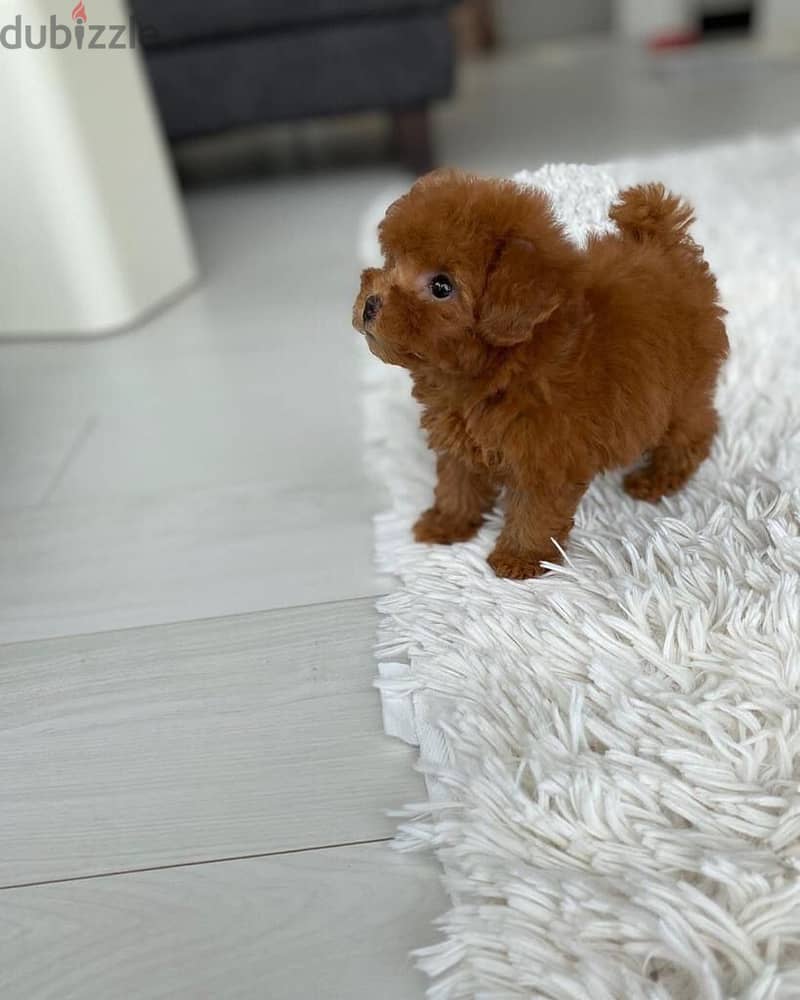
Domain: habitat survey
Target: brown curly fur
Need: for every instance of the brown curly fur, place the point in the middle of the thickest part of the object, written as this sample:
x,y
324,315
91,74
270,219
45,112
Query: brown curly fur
x,y
548,364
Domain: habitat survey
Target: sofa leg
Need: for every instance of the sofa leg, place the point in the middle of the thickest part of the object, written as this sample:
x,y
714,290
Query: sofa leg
x,y
484,16
412,141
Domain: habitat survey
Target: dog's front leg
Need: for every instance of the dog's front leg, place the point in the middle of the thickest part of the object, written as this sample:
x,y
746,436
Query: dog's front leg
x,y
538,520
464,495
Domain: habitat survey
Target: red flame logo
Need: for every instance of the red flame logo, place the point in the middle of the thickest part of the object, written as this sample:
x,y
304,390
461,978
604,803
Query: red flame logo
x,y
79,11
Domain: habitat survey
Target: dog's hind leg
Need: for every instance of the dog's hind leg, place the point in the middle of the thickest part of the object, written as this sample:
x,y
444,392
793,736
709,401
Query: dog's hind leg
x,y
683,448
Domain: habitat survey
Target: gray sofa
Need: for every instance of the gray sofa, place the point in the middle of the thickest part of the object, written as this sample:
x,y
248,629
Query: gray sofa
x,y
219,65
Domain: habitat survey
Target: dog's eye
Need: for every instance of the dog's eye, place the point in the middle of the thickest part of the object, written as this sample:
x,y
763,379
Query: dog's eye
x,y
441,287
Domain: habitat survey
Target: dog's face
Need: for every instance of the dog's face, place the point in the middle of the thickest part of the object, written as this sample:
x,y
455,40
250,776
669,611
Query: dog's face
x,y
472,266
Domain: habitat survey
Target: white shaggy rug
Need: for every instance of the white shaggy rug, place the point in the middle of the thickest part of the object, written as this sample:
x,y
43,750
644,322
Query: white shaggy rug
x,y
613,752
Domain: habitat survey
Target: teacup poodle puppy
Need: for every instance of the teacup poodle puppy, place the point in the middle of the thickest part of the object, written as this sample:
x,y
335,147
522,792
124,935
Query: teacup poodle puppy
x,y
538,364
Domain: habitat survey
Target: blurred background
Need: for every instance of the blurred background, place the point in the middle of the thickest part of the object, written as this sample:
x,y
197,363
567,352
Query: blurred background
x,y
478,81
186,575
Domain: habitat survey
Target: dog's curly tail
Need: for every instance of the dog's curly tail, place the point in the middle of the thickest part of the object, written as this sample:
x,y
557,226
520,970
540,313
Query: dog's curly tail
x,y
649,211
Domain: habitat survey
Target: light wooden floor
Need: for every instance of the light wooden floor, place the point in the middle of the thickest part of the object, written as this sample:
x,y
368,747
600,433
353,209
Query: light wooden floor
x,y
193,778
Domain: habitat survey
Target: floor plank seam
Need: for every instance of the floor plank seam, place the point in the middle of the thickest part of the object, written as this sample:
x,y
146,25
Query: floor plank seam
x,y
73,451
70,636
289,852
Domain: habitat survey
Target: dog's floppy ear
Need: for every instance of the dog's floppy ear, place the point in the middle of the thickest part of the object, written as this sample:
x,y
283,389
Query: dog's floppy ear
x,y
519,293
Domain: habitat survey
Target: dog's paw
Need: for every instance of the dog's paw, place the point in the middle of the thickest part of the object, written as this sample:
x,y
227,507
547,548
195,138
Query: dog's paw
x,y
651,484
511,566
438,529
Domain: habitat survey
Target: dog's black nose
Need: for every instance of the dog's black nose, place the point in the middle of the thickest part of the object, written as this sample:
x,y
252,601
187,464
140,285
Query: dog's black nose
x,y
371,307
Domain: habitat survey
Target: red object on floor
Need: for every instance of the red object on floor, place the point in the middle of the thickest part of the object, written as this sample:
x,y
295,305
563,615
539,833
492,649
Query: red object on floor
x,y
673,39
